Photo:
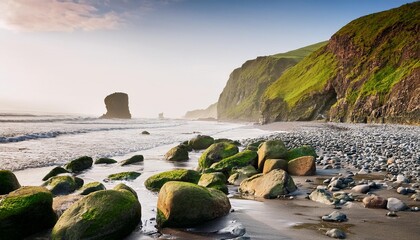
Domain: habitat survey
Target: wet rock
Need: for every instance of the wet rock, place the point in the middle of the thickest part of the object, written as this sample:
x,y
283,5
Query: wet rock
x,y
107,214
391,214
178,153
63,185
26,211
302,166
238,160
8,182
201,142
123,187
182,204
363,188
79,164
132,160
54,172
122,176
117,106
216,180
105,161
215,153
336,233
335,216
395,204
155,182
271,164
241,174
271,149
321,196
374,201
402,179
416,196
269,185
91,187
145,133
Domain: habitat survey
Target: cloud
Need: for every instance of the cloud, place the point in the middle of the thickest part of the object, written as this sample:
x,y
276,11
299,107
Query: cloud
x,y
56,15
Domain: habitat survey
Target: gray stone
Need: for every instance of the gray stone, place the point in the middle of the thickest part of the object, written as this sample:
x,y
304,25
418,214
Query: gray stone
x,y
395,204
363,188
336,233
335,216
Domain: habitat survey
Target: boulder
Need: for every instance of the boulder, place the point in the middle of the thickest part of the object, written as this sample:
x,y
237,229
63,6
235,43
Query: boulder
x,y
237,143
321,196
270,185
374,201
54,172
8,182
304,150
302,166
79,164
216,180
395,204
182,204
91,187
271,164
117,106
335,216
155,182
63,185
132,160
238,160
107,214
215,153
26,211
178,153
123,187
240,174
362,188
273,149
105,161
201,142
122,176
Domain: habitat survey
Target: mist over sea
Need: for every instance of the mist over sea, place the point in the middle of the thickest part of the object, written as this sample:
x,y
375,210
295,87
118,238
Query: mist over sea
x,y
38,140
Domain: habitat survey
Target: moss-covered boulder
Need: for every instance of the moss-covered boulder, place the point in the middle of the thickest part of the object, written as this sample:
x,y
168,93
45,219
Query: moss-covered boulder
x,y
182,204
107,214
304,150
123,187
79,164
302,166
54,172
237,143
271,149
271,164
201,142
105,161
178,153
132,160
127,176
238,160
215,153
186,146
91,187
216,180
240,174
26,211
62,185
155,182
270,185
8,182
254,145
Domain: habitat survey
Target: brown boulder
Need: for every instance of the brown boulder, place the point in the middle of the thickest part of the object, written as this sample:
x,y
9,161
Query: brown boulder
x,y
271,164
303,166
374,201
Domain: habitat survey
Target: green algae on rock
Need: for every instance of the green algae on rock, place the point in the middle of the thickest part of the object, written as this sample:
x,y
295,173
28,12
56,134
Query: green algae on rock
x,y
238,160
123,187
91,187
26,211
8,182
54,172
62,185
155,182
215,153
79,164
104,215
182,204
201,142
132,160
105,161
123,176
216,180
177,153
301,151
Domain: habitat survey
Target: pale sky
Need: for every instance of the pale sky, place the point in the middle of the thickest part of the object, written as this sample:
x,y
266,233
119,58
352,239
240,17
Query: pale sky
x,y
170,56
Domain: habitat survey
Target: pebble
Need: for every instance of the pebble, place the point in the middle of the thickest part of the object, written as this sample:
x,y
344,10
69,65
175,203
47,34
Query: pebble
x,y
391,214
336,233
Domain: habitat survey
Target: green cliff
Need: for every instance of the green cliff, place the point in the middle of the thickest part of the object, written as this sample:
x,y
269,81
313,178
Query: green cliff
x,y
241,97
368,72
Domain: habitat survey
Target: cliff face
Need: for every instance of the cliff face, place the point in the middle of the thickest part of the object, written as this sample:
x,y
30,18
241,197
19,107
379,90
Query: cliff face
x,y
241,97
210,112
117,106
368,72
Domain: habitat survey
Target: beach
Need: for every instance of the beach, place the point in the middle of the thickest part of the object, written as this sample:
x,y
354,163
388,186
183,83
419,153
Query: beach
x,y
291,217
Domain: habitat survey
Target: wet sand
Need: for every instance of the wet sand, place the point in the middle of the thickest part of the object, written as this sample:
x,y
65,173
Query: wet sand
x,y
297,218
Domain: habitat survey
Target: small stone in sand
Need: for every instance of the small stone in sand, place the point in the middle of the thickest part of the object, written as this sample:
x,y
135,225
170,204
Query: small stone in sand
x,y
336,233
335,216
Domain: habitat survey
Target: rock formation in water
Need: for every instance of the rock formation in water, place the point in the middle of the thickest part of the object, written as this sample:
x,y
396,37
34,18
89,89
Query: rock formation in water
x,y
117,106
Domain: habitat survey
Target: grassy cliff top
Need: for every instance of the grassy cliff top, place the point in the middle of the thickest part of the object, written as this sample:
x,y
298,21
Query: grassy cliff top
x,y
300,53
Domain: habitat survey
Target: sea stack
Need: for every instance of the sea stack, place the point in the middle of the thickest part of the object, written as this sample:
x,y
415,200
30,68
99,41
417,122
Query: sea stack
x,y
117,106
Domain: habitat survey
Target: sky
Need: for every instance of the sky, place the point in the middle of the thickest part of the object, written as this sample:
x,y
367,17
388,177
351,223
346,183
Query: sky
x,y
170,56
